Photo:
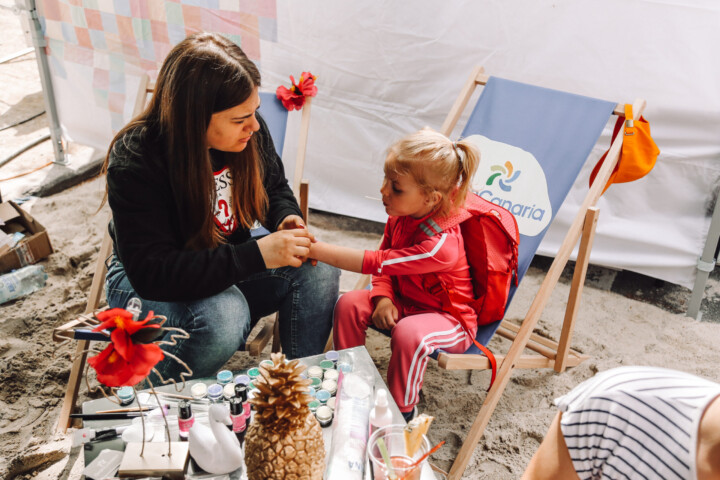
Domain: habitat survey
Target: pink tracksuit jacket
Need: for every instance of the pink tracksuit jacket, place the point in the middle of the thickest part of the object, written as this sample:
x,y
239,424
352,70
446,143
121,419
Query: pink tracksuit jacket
x,y
411,249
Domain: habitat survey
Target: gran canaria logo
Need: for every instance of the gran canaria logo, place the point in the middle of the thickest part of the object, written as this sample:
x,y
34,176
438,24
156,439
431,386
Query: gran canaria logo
x,y
513,178
507,171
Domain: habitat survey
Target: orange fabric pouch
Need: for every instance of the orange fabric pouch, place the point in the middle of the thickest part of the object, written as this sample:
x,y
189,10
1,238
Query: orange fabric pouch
x,y
638,154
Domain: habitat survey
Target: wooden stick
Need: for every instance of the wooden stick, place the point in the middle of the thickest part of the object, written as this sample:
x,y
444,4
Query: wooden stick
x,y
128,409
581,267
175,395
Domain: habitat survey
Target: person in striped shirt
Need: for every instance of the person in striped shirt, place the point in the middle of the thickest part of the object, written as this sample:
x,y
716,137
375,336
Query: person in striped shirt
x,y
427,177
633,423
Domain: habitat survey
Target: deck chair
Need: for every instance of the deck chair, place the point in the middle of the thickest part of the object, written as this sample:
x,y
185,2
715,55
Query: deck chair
x,y
276,117
545,135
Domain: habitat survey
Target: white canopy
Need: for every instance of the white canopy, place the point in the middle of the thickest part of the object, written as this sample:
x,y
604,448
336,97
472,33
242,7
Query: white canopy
x,y
387,68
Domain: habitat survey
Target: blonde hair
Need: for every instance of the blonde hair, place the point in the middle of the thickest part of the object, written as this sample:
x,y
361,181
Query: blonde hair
x,y
436,164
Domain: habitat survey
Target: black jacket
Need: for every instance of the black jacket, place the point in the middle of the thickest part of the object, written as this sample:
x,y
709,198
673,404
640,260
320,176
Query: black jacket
x,y
146,224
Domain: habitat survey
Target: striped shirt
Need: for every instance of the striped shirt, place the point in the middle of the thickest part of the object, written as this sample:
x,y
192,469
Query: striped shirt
x,y
635,423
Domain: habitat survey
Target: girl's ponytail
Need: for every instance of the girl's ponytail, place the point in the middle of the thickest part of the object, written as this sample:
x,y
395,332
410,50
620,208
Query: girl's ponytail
x,y
469,158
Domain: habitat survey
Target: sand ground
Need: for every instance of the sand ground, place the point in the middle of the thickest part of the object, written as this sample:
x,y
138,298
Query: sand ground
x,y
624,319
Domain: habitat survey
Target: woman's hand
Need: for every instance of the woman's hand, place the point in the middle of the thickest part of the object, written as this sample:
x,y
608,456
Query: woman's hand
x,y
385,315
285,247
292,222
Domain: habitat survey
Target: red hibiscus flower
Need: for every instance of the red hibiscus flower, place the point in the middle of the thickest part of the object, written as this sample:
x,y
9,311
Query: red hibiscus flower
x,y
124,362
294,97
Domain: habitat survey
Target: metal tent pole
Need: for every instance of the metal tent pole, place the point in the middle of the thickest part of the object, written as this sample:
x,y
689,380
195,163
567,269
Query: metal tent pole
x,y
29,9
706,264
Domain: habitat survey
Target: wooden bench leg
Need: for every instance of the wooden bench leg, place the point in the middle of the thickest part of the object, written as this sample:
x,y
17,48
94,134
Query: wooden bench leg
x,y
71,394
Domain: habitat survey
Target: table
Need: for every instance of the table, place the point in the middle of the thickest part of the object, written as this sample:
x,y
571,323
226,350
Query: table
x,y
358,356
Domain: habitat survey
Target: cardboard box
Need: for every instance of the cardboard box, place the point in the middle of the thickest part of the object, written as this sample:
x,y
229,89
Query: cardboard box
x,y
32,248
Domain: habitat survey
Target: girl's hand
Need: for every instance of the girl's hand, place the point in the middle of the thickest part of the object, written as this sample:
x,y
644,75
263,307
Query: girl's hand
x,y
285,247
385,315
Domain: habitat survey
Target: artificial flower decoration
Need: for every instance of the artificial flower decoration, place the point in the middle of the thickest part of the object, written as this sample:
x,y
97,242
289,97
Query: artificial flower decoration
x,y
294,97
127,360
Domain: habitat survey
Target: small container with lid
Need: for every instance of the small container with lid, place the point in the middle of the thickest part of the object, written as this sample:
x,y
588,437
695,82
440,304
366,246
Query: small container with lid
x,y
314,405
331,375
243,379
224,377
229,391
331,403
253,373
215,393
330,386
315,383
126,395
315,371
345,367
267,364
327,365
198,391
324,416
323,396
333,356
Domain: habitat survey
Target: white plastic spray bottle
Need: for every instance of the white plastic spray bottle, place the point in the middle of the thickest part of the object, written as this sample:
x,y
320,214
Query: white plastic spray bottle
x,y
380,414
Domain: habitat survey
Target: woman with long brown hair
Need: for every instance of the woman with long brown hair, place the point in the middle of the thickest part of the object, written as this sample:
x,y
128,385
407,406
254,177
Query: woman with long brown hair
x,y
186,180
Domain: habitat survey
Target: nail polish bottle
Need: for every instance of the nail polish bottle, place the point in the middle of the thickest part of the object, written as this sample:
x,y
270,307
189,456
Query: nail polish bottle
x,y
237,415
185,419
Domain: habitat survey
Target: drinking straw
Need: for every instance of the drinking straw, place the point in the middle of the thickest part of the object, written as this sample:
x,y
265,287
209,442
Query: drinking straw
x,y
413,466
386,458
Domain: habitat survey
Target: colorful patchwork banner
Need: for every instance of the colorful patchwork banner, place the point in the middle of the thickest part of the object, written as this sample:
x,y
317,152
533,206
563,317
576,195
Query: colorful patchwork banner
x,y
108,40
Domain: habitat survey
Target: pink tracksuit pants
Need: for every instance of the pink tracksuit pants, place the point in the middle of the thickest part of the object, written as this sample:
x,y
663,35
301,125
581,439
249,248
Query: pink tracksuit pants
x,y
413,339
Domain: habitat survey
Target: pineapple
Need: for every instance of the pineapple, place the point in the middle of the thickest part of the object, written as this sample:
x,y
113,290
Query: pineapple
x,y
284,440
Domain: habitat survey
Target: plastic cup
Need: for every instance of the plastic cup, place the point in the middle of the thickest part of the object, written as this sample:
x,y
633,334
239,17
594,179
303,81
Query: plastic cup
x,y
402,464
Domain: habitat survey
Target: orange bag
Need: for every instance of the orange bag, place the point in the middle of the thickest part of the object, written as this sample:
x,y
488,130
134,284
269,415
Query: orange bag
x,y
638,154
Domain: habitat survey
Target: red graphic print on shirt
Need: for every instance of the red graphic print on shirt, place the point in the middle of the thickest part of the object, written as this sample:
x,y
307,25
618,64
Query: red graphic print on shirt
x,y
223,202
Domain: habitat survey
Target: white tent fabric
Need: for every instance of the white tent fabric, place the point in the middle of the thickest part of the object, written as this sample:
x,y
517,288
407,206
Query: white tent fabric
x,y
387,68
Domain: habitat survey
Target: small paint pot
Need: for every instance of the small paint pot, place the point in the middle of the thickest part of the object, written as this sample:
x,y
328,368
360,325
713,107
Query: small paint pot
x,y
344,367
315,372
215,393
229,391
331,375
330,386
224,377
331,403
126,395
323,396
324,415
314,405
333,356
198,391
315,383
327,365
267,364
242,379
253,373
310,391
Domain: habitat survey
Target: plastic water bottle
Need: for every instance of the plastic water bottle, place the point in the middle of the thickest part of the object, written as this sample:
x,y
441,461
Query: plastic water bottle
x,y
21,282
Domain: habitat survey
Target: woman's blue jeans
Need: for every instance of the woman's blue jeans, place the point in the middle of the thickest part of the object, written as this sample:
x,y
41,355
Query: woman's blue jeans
x,y
219,325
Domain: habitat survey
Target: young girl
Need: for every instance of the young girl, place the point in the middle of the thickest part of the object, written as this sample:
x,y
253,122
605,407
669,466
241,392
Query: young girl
x,y
427,177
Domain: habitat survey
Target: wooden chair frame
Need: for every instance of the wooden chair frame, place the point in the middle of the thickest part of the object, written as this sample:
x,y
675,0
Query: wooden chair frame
x,y
550,354
266,330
